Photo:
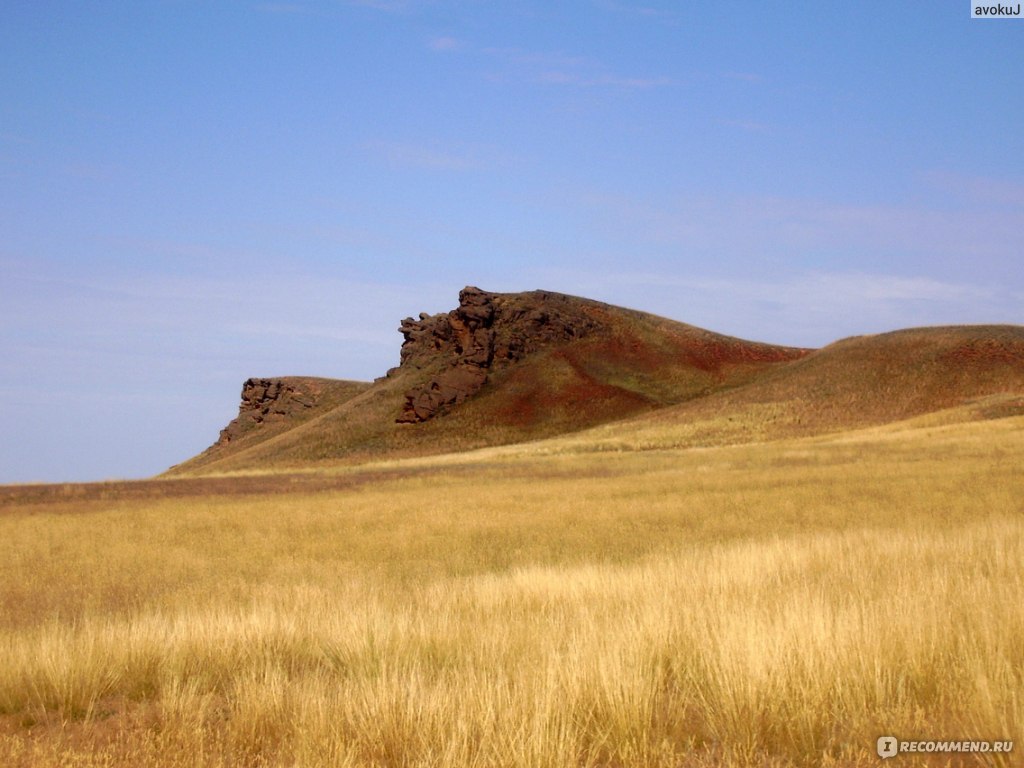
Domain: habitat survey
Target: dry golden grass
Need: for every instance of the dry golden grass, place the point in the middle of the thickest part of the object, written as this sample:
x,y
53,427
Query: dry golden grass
x,y
780,604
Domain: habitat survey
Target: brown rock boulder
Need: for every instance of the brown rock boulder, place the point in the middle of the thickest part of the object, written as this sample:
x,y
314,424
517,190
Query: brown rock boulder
x,y
264,399
487,330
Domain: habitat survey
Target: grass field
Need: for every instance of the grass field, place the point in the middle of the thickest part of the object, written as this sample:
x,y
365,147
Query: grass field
x,y
770,604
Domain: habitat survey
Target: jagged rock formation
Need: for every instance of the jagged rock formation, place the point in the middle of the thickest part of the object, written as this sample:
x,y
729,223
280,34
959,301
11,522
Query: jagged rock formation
x,y
264,399
486,331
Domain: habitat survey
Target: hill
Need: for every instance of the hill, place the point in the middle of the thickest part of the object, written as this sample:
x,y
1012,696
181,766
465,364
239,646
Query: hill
x,y
499,368
508,368
973,372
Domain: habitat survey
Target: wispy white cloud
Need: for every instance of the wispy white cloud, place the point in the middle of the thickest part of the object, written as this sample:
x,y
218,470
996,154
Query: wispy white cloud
x,y
99,172
751,126
194,252
181,323
444,43
553,59
284,8
435,157
824,291
316,7
562,77
753,225
642,9
979,189
811,308
747,77
558,68
550,67
9,137
388,6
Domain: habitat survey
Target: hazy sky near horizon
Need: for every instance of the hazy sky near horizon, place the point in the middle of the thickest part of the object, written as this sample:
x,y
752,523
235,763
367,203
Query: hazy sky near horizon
x,y
193,192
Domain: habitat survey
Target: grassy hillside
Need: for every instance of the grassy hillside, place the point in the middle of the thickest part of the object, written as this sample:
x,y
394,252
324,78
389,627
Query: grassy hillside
x,y
556,365
627,363
780,604
856,382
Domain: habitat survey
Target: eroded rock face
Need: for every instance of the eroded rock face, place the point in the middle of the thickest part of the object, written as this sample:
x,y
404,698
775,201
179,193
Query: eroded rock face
x,y
486,331
264,399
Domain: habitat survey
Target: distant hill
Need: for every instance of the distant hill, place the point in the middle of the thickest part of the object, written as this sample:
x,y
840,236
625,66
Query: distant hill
x,y
853,383
507,368
499,368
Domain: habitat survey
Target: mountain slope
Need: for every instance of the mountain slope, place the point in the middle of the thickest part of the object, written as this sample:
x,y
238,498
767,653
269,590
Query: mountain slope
x,y
504,368
857,382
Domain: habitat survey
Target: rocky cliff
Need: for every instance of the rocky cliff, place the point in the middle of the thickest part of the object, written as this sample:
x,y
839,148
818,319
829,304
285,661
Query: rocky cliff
x,y
283,401
487,331
264,399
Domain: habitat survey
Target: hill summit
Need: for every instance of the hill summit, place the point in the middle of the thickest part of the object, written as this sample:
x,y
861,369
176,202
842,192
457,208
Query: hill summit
x,y
509,367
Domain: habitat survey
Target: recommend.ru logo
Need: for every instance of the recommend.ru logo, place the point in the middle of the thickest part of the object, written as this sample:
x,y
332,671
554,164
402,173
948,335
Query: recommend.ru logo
x,y
890,746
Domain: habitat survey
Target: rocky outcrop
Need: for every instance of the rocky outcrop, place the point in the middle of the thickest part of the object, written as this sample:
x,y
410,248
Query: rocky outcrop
x,y
486,331
267,399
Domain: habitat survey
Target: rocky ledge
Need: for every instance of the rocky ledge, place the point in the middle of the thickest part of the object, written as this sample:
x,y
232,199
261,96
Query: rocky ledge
x,y
267,399
485,332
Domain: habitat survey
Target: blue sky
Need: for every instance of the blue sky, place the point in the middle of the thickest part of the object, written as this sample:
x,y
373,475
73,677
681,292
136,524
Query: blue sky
x,y
193,192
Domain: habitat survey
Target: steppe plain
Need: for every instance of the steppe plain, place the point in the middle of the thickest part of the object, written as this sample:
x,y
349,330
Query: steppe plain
x,y
657,591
